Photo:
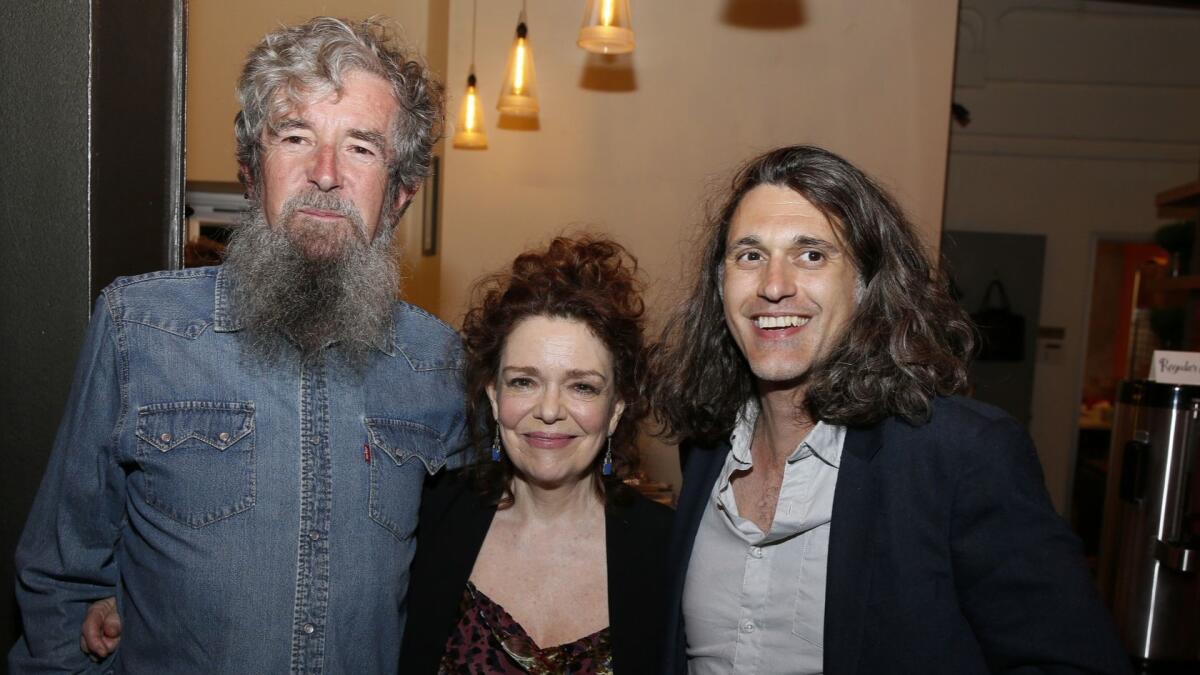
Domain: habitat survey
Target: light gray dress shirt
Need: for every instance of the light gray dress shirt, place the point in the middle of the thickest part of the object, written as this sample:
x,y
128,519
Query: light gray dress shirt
x,y
754,602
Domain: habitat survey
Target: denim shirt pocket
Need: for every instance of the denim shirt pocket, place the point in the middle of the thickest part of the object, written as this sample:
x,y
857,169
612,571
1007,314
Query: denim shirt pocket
x,y
404,453
197,458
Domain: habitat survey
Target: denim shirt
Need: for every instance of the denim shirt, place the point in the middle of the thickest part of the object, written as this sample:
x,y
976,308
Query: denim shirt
x,y
248,516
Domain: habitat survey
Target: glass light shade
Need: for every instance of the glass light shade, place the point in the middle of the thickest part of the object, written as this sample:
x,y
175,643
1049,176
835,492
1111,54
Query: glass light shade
x,y
469,132
607,27
519,94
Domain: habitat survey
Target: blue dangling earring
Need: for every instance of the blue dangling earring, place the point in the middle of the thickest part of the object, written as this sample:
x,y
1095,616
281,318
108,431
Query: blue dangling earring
x,y
496,445
607,468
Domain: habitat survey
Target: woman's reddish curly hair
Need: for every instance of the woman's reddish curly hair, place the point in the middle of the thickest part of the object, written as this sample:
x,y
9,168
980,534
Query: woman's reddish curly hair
x,y
586,278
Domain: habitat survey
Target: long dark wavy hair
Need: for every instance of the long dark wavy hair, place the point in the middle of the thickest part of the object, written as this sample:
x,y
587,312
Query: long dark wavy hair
x,y
585,278
907,342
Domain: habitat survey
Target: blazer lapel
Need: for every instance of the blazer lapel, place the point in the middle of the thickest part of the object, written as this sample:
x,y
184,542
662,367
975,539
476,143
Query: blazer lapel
x,y
454,522
624,575
466,523
700,474
848,578
702,471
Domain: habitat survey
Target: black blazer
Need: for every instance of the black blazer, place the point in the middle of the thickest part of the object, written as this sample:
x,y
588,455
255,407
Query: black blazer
x,y
945,555
454,521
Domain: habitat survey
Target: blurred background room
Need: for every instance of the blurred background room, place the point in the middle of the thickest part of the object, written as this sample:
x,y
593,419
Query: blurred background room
x,y
1050,149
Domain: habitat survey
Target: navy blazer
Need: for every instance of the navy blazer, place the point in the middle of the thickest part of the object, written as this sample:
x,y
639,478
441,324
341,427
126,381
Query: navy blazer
x,y
945,555
454,522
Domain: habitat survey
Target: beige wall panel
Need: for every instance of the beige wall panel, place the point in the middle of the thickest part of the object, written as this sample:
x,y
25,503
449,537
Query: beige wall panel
x,y
870,80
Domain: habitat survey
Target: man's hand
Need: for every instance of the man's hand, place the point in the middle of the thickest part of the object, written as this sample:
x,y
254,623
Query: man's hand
x,y
101,630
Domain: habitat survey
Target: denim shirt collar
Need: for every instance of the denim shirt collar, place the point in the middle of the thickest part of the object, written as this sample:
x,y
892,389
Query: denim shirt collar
x,y
225,319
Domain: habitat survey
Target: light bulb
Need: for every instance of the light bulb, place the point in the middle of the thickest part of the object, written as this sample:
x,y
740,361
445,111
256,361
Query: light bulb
x,y
470,134
518,96
607,27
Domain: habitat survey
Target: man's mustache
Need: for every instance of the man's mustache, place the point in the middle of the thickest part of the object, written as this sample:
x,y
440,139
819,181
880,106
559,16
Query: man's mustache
x,y
324,201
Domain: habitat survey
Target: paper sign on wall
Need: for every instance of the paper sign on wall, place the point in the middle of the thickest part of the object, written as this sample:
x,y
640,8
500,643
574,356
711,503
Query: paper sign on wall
x,y
1175,367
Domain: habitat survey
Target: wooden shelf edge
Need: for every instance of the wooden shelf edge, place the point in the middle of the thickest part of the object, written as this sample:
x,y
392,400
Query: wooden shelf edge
x,y
230,187
1180,197
1187,282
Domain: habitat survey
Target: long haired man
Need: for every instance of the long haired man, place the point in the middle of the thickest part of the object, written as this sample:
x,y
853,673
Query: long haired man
x,y
843,511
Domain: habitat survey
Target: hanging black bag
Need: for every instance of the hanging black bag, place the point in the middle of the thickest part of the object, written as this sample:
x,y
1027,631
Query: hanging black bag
x,y
1001,331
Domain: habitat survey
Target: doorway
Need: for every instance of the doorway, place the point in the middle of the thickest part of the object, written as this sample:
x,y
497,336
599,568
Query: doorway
x,y
1121,334
1011,263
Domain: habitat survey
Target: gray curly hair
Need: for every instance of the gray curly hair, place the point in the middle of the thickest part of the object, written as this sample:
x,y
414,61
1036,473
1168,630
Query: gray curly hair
x,y
294,63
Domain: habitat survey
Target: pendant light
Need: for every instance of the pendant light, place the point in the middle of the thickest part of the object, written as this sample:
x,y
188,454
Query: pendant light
x,y
607,27
469,133
518,97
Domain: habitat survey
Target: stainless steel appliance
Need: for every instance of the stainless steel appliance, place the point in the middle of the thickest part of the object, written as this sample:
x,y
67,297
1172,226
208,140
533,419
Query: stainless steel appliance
x,y
1151,540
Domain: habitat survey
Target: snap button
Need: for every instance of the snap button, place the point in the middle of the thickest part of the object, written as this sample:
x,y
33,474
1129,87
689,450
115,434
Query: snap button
x,y
165,437
748,627
309,628
314,535
223,436
756,552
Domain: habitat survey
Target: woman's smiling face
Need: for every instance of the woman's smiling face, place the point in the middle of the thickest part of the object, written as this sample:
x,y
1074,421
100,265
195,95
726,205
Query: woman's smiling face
x,y
554,399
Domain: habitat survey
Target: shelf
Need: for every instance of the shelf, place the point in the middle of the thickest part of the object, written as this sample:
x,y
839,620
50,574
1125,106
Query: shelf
x,y
1181,201
1187,282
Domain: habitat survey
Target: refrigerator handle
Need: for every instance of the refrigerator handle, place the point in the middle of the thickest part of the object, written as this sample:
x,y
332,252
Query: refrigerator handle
x,y
1174,557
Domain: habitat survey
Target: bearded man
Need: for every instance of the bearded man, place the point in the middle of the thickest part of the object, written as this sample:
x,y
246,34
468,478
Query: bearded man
x,y
242,455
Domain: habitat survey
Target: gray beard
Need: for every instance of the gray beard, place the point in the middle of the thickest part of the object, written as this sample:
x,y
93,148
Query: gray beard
x,y
287,301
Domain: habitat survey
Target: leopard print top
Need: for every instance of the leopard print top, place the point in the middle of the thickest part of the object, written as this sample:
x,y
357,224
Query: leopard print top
x,y
488,640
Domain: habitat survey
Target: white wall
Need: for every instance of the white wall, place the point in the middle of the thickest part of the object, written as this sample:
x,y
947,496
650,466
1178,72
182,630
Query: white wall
x,y
870,80
1081,112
